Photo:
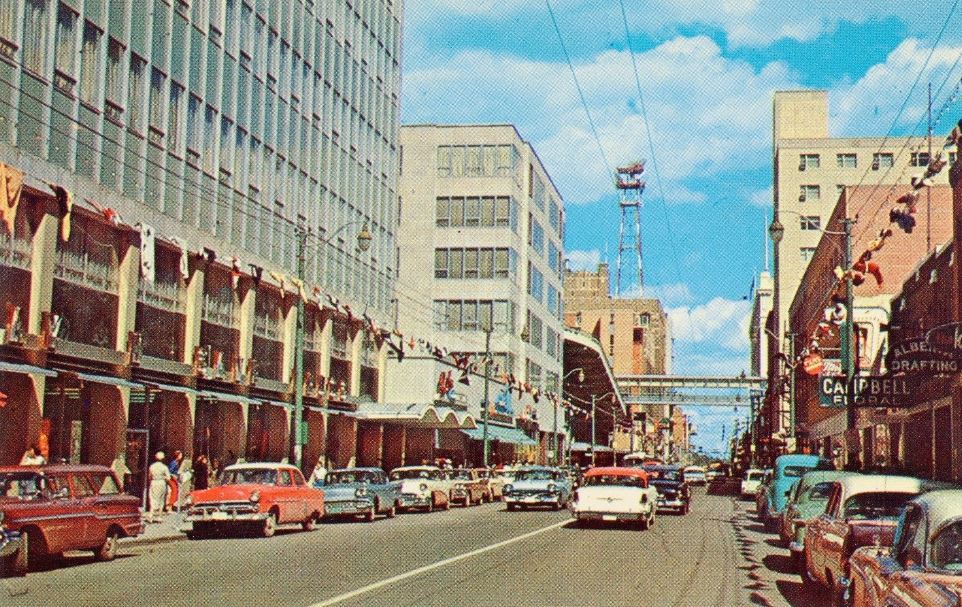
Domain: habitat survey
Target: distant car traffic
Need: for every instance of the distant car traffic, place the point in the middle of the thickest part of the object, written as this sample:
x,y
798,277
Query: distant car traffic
x,y
64,507
468,487
422,487
493,485
538,486
922,568
255,495
363,492
696,475
616,495
751,481
672,486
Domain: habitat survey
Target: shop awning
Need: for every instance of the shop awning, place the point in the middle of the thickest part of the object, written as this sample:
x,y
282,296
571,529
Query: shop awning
x,y
231,398
502,434
169,388
415,415
581,446
108,380
18,368
276,403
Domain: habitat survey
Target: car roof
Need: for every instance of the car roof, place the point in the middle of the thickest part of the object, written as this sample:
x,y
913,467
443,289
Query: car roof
x,y
820,476
531,468
795,459
260,466
617,471
357,469
943,507
403,468
56,468
879,483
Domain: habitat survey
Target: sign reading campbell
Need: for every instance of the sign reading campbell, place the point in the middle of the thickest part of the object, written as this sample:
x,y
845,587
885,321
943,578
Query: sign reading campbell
x,y
870,391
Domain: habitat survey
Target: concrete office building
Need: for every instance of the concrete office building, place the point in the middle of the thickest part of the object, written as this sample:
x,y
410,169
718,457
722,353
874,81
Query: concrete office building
x,y
226,126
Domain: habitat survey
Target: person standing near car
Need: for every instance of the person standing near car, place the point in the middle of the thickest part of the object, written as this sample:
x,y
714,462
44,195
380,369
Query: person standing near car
x,y
201,472
159,474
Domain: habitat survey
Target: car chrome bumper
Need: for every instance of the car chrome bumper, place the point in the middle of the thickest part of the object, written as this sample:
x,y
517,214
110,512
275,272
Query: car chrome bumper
x,y
409,500
533,500
9,543
347,507
608,516
674,503
226,517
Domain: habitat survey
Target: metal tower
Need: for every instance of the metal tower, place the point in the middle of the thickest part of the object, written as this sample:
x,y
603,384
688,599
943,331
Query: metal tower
x,y
630,186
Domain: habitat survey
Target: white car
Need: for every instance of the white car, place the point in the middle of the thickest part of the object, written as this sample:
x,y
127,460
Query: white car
x,y
751,482
695,475
422,487
616,495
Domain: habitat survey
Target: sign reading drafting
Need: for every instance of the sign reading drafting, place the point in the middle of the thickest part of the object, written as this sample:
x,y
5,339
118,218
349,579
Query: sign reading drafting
x,y
946,340
919,355
870,391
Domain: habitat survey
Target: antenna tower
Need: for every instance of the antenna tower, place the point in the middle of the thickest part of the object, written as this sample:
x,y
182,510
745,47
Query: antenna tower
x,y
630,186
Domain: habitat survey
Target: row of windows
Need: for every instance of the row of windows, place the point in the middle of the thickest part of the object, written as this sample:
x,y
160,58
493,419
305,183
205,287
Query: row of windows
x,y
880,160
474,315
810,222
535,283
476,211
483,263
478,161
535,235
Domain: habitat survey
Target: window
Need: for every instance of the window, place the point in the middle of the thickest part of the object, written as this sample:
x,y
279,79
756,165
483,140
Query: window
x,y
35,35
882,160
104,483
8,24
114,85
919,159
811,222
472,212
157,94
535,235
135,94
554,216
807,253
846,161
173,117
554,258
476,160
82,486
193,126
535,283
502,211
553,300
502,267
643,319
810,193
808,161
89,62
66,40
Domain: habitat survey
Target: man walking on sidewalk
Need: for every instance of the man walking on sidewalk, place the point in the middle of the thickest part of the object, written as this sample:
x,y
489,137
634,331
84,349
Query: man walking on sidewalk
x,y
159,474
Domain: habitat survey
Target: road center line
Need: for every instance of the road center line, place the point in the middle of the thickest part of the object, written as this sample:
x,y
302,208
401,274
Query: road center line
x,y
415,572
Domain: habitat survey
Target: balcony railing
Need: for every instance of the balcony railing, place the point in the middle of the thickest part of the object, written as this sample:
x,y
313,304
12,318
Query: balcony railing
x,y
15,252
81,269
220,312
163,295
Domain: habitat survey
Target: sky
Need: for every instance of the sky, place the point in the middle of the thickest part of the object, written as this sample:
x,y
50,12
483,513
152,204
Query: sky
x,y
707,71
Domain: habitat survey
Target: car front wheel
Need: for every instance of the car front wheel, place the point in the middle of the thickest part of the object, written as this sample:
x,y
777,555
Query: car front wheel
x,y
108,550
270,525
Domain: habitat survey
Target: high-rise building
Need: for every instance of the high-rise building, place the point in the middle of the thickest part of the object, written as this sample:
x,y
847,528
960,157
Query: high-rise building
x,y
172,154
481,236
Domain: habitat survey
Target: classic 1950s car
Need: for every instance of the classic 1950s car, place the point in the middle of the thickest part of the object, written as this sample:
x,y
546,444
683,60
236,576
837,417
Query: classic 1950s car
x,y
262,495
360,491
10,544
808,499
862,511
788,469
538,486
616,495
422,487
494,485
468,487
751,482
66,507
672,487
922,567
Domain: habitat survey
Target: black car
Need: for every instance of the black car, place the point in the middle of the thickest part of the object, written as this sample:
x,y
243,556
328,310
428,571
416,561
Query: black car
x,y
673,491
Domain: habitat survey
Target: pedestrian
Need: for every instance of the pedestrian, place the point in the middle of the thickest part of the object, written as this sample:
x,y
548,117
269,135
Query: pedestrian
x,y
201,473
185,476
215,469
319,473
159,474
119,466
32,457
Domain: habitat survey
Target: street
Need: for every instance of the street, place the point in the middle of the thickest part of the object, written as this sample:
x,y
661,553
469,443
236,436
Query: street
x,y
716,555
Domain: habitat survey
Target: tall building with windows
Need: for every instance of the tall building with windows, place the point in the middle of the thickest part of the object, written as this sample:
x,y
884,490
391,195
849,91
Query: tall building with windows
x,y
172,153
481,237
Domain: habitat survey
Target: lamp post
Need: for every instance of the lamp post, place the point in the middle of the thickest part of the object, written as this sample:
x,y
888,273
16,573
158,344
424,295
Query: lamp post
x,y
554,433
363,244
487,395
776,231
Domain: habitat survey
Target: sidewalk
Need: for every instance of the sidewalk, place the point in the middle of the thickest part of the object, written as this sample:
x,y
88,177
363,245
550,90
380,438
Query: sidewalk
x,y
169,529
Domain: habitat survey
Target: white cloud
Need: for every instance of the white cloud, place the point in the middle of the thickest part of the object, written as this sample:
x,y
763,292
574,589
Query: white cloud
x,y
670,295
762,198
715,131
722,323
583,260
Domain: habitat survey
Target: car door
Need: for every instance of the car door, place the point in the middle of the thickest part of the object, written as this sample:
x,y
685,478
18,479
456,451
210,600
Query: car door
x,y
287,500
305,495
815,536
84,501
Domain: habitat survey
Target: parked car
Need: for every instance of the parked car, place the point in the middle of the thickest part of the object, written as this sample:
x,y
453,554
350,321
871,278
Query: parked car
x,y
788,469
538,486
671,486
923,565
751,481
467,486
808,499
257,495
422,487
862,510
10,554
66,507
761,495
616,495
494,486
363,492
696,475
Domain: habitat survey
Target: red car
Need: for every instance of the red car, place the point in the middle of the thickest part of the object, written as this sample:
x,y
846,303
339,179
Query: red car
x,y
60,508
261,495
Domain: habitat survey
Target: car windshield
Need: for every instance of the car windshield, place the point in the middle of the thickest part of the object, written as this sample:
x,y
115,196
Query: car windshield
x,y
534,475
947,548
461,475
20,485
794,471
399,475
348,478
665,474
250,476
818,493
619,480
876,506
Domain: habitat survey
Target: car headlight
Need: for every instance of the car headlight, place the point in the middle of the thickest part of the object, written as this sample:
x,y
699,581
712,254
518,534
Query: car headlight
x,y
508,489
255,497
424,487
360,491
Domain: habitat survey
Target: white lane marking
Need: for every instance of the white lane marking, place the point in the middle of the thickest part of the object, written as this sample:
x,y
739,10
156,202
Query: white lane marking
x,y
415,572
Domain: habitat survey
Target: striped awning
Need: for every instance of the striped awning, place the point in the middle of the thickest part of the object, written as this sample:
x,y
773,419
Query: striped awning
x,y
502,434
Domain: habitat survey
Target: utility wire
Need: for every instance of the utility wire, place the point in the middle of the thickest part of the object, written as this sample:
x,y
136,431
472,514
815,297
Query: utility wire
x,y
581,94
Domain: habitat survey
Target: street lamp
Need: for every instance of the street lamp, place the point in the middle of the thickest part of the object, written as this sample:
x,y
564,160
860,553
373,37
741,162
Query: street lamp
x,y
554,433
364,239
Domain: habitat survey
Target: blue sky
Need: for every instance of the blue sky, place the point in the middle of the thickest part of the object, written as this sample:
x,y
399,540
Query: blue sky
x,y
708,69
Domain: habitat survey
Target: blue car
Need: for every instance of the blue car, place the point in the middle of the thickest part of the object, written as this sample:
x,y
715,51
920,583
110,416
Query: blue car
x,y
363,492
788,470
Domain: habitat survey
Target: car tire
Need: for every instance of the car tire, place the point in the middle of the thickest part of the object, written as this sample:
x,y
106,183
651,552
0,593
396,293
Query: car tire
x,y
644,524
269,527
511,507
467,500
310,524
371,514
392,511
19,563
447,504
108,549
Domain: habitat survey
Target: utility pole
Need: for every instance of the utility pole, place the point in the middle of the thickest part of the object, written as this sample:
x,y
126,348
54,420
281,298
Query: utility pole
x,y
297,438
791,386
848,337
554,434
753,400
593,407
487,398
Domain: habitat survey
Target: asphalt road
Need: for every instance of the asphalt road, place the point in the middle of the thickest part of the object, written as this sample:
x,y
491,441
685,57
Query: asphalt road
x,y
717,555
